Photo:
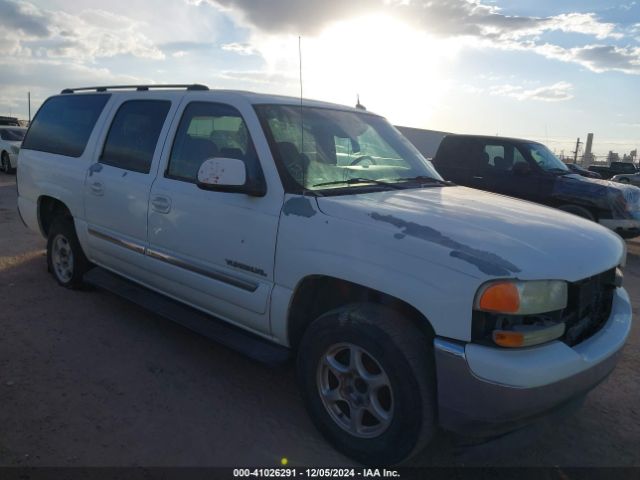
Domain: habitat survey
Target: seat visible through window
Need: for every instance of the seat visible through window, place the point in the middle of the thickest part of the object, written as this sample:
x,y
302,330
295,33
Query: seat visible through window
x,y
209,130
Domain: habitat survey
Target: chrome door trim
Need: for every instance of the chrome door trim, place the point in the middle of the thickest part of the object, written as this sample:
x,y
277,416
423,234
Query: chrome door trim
x,y
214,274
136,247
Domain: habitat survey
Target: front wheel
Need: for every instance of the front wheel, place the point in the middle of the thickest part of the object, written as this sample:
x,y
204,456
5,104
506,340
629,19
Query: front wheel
x,y
368,380
65,258
578,211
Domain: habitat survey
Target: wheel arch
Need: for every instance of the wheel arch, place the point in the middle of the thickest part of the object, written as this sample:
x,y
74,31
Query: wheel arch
x,y
575,208
49,208
317,294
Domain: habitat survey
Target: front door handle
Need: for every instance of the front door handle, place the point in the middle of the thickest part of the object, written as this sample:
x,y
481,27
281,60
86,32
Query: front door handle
x,y
477,178
161,204
97,188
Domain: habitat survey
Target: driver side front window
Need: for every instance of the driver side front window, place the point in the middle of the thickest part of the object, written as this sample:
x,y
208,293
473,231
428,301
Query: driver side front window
x,y
209,130
502,158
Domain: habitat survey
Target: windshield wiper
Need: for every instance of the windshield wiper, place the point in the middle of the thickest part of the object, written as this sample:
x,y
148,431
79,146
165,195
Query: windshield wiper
x,y
357,181
425,179
559,170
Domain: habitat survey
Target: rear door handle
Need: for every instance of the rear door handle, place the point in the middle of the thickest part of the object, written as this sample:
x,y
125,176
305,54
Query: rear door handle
x,y
97,188
478,178
161,204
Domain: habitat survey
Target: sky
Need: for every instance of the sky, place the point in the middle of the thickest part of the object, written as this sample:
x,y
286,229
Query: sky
x,y
546,70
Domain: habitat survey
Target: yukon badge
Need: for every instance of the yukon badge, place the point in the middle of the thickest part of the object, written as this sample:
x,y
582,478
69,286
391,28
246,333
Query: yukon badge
x,y
248,268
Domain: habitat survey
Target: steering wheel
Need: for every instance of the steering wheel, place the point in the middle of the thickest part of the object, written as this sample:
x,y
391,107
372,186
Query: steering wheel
x,y
361,159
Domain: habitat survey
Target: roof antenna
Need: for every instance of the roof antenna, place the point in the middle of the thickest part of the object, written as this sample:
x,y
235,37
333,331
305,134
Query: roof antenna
x,y
359,106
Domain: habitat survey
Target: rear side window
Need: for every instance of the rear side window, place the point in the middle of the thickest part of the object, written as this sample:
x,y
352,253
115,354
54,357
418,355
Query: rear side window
x,y
624,167
134,133
64,123
458,152
12,134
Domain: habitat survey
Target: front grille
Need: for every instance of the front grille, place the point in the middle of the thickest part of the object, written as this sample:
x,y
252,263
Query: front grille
x,y
588,306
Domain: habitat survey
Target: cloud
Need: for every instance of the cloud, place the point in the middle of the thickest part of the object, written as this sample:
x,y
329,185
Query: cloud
x,y
44,77
597,58
24,18
57,74
84,36
446,17
585,23
480,24
290,16
557,92
239,48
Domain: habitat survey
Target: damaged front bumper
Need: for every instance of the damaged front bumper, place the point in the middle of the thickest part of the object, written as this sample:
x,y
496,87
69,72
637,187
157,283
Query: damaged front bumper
x,y
485,391
626,228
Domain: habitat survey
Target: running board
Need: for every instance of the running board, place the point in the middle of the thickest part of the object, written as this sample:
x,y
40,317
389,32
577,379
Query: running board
x,y
228,335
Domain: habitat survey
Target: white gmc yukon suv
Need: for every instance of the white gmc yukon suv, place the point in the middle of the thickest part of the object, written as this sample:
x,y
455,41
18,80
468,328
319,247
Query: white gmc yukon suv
x,y
280,226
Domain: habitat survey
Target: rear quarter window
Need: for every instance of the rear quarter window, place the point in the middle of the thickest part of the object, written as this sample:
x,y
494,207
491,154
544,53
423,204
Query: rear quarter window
x,y
64,124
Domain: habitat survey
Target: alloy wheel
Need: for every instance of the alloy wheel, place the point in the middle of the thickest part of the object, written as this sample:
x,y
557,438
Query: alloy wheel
x,y
62,258
355,390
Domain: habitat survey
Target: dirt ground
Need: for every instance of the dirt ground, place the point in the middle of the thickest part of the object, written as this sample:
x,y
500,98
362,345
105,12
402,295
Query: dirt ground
x,y
87,379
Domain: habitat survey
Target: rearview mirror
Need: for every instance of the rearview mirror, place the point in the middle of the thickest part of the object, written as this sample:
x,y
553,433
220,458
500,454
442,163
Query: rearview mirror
x,y
521,168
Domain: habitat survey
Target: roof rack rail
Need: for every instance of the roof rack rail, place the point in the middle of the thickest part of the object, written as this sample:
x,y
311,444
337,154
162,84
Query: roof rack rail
x,y
140,88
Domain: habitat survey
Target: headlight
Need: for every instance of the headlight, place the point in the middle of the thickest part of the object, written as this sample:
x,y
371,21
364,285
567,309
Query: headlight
x,y
520,313
15,149
522,298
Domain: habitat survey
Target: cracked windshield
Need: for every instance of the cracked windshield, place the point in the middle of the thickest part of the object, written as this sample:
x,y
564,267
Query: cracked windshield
x,y
320,148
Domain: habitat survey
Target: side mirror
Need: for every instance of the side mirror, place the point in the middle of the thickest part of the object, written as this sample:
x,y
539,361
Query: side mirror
x,y
226,175
521,168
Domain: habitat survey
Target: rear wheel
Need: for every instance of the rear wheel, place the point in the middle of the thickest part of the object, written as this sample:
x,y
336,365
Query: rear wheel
x,y
624,180
65,258
5,163
367,376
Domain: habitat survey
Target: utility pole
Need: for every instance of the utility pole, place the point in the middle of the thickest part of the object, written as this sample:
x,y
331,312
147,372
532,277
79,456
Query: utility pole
x,y
29,103
575,153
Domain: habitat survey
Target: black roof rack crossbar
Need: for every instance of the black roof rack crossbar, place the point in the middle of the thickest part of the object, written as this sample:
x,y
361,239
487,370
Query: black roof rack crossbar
x,y
193,86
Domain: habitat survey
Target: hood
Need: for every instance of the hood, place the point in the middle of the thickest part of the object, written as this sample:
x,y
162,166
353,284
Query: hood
x,y
482,233
587,182
621,200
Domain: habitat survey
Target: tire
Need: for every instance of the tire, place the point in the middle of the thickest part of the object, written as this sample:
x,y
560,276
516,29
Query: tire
x,y
65,259
392,350
579,211
6,163
624,180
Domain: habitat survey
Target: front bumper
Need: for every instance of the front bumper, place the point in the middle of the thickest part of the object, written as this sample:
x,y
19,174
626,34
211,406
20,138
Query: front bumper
x,y
626,228
485,391
13,160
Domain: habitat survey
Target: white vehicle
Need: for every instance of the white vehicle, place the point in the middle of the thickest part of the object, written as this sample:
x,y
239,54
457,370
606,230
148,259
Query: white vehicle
x,y
285,227
10,141
632,178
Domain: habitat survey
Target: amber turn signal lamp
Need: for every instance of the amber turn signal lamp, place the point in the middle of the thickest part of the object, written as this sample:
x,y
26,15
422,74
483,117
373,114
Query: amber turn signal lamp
x,y
508,339
500,297
531,336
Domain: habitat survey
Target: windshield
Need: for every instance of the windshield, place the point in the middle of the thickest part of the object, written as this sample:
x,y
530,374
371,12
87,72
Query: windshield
x,y
545,158
12,135
320,149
